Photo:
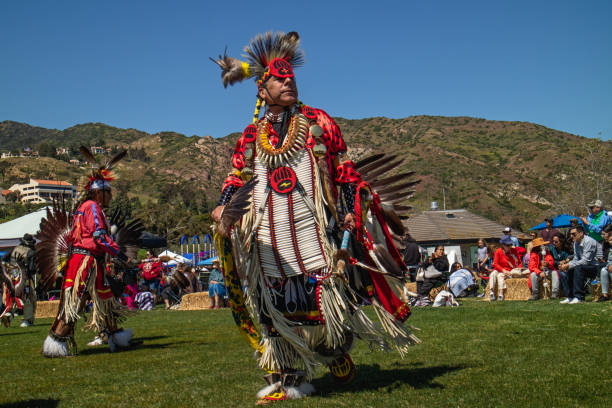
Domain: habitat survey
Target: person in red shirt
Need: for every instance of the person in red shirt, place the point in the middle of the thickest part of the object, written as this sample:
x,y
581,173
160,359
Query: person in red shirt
x,y
85,277
151,269
541,266
505,259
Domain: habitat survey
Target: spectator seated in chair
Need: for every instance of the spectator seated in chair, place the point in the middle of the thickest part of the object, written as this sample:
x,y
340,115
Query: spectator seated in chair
x,y
559,254
605,273
584,264
435,274
216,287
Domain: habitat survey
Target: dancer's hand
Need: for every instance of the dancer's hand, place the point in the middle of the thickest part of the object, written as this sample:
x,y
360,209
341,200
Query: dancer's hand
x,y
350,222
216,214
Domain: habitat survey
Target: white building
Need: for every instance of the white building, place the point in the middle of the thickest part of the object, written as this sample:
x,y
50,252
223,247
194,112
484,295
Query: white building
x,y
44,191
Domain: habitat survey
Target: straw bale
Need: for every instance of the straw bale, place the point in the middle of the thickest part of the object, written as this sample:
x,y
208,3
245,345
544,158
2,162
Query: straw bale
x,y
46,308
516,289
195,301
411,286
597,291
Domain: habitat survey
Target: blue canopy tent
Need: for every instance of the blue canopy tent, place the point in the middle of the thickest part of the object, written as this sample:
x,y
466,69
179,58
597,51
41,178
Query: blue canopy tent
x,y
560,221
208,262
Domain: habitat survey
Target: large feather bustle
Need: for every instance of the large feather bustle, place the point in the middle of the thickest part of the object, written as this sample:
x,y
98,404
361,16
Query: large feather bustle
x,y
128,232
7,281
392,190
231,69
265,47
53,245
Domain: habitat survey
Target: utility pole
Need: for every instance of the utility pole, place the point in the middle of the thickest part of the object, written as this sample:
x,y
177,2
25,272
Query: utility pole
x,y
444,198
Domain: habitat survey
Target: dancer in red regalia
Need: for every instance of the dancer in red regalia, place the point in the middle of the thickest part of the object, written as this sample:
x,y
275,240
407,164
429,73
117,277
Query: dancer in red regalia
x,y
317,238
81,247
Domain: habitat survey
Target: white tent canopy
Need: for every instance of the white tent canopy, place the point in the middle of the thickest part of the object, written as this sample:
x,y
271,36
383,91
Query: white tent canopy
x,y
176,258
12,231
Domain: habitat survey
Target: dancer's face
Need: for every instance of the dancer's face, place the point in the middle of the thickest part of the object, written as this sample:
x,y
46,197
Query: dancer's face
x,y
279,91
103,197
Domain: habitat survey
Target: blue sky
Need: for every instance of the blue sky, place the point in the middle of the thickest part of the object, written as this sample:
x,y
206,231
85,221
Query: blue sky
x,y
144,64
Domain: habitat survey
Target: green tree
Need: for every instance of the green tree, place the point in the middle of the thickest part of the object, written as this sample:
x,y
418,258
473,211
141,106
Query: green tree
x,y
4,166
46,149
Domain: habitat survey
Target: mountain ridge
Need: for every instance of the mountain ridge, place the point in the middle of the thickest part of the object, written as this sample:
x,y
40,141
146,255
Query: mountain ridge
x,y
509,171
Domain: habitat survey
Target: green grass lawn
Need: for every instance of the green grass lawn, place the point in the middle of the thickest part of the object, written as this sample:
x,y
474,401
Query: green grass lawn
x,y
539,354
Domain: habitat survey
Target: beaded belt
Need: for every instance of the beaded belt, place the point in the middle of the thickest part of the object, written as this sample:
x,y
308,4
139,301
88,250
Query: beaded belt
x,y
81,251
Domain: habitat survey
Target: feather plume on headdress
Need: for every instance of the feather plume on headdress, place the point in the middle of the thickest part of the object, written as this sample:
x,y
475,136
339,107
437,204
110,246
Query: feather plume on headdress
x,y
259,54
100,172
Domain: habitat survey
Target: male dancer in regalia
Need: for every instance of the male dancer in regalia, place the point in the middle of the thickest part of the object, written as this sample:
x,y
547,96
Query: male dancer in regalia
x,y
85,280
314,242
21,260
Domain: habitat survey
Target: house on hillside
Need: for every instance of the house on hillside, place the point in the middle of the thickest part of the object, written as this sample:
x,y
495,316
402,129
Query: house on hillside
x,y
44,191
458,230
4,196
97,149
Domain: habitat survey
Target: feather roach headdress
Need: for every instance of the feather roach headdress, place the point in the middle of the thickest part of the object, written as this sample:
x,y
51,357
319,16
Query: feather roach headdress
x,y
101,174
267,54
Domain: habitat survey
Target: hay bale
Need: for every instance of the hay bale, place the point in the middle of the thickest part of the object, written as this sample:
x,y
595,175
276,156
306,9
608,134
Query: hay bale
x,y
411,286
46,308
195,301
516,289
597,291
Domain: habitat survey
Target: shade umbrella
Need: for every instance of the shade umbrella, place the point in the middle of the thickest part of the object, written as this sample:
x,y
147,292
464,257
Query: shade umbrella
x,y
560,221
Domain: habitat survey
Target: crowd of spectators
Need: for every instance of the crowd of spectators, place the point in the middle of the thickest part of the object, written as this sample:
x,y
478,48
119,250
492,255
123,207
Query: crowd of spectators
x,y
153,281
565,262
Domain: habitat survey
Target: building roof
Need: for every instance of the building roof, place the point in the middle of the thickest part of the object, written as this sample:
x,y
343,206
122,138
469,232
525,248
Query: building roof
x,y
453,225
6,192
52,182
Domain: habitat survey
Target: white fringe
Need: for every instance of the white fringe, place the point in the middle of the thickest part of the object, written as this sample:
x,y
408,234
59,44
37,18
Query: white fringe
x,y
288,332
53,348
333,307
278,353
399,336
71,306
269,389
301,391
